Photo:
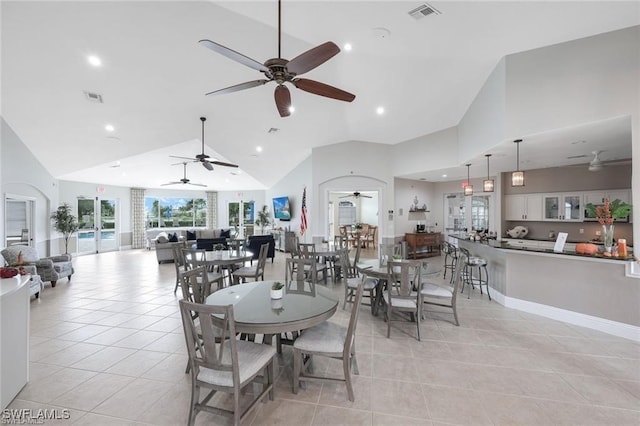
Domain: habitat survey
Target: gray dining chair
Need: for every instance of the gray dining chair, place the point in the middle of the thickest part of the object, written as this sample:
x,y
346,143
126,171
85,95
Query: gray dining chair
x,y
400,296
352,281
331,340
178,263
223,364
254,272
194,258
308,251
437,294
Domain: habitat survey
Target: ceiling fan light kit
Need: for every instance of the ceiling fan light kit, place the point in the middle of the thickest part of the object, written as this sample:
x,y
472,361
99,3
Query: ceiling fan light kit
x,y
517,177
283,71
488,183
468,188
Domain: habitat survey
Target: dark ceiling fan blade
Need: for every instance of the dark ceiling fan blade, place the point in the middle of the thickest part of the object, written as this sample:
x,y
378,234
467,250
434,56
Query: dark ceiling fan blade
x,y
222,163
238,87
312,58
197,184
233,55
170,183
283,100
207,165
322,89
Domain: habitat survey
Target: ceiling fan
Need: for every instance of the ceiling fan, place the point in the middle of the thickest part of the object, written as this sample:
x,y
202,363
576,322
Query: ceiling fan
x,y
596,164
203,158
283,71
356,194
184,180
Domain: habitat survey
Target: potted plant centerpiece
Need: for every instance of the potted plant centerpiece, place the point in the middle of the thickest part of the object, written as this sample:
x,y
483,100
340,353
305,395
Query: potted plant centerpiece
x,y
277,290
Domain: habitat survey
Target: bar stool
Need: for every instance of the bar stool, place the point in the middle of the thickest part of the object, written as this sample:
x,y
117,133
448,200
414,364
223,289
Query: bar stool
x,y
470,263
450,258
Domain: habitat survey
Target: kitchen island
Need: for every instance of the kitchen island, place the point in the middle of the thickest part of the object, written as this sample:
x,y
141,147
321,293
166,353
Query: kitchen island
x,y
591,291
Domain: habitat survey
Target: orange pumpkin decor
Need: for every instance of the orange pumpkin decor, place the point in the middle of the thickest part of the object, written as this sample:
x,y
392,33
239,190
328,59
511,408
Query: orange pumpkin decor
x,y
586,248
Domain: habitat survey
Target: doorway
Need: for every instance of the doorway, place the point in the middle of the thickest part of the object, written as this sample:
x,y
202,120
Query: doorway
x,y
19,222
348,208
243,223
98,225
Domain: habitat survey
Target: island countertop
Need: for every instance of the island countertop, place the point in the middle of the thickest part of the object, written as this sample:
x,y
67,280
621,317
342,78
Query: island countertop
x,y
502,244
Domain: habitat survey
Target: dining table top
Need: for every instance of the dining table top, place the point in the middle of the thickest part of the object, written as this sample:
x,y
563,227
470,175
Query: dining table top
x,y
303,305
373,268
225,257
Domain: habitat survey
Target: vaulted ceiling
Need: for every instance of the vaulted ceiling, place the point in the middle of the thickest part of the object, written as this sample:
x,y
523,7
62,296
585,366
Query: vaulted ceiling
x,y
154,74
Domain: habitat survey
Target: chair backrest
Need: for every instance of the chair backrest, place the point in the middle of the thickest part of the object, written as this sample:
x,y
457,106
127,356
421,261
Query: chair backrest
x,y
236,244
349,270
307,250
343,231
292,243
193,258
403,277
262,258
349,341
295,269
178,257
356,258
340,242
464,252
457,277
388,252
211,344
194,284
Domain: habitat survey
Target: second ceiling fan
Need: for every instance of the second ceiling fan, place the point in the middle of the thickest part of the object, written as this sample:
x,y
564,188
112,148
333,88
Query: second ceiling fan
x,y
284,71
204,158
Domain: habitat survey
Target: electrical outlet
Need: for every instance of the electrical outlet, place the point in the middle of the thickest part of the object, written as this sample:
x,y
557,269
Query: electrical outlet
x,y
598,233
582,230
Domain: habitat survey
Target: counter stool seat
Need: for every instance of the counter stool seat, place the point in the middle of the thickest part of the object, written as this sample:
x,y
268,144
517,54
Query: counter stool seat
x,y
468,276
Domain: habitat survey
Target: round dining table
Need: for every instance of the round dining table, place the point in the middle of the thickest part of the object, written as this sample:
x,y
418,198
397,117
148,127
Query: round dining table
x,y
302,306
226,259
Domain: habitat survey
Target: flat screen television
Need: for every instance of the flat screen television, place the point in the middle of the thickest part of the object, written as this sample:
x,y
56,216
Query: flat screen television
x,y
281,208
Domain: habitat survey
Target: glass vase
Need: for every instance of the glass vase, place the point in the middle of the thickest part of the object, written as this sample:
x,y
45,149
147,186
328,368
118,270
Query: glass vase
x,y
607,235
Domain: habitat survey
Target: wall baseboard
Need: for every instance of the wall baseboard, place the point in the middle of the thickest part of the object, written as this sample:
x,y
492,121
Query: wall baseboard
x,y
615,328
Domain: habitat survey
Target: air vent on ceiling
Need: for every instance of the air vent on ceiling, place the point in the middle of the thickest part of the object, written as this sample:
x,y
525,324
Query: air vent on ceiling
x,y
272,130
93,97
424,10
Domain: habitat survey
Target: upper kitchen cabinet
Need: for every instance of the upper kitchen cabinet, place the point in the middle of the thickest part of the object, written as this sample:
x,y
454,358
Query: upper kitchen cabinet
x,y
598,197
562,207
523,207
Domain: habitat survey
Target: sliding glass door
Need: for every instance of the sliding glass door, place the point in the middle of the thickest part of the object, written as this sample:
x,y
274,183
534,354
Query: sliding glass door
x,y
98,224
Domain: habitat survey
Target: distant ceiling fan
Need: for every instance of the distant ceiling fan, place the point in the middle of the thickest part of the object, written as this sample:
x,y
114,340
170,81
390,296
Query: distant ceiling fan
x,y
283,71
596,164
356,194
184,180
203,158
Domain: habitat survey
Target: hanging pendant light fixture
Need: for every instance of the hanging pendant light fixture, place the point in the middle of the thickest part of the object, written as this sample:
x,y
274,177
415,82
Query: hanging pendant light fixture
x,y
517,177
468,189
487,184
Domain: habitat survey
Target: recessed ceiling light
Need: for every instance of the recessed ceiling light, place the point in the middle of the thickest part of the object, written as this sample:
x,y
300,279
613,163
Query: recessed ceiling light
x,y
109,128
347,47
259,148
94,60
444,175
380,110
292,109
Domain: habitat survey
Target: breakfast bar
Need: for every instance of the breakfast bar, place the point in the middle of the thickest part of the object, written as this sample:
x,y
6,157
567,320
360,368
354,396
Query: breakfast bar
x,y
588,290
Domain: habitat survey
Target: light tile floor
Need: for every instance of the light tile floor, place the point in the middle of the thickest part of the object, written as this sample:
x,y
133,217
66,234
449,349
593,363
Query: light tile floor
x,y
108,346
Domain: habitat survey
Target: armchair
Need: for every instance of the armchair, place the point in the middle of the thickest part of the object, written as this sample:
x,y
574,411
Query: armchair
x,y
35,284
49,268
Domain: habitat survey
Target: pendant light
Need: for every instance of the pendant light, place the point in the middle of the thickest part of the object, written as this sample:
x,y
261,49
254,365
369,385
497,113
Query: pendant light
x,y
487,184
468,189
517,177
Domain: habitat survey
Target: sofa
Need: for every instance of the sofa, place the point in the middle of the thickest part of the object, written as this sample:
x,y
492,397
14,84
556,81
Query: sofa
x,y
254,242
184,235
35,284
48,268
209,243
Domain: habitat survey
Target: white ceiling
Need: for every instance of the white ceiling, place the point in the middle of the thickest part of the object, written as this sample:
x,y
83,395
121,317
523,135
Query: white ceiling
x,y
154,75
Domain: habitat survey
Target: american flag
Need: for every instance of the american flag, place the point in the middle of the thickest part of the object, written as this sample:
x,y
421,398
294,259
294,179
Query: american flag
x,y
303,219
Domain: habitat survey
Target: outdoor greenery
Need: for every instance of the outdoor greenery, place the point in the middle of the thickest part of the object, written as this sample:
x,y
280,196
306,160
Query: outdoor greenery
x,y
175,212
65,223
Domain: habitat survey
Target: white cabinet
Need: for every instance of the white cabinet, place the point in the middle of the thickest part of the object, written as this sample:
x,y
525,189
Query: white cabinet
x,y
523,207
562,207
597,197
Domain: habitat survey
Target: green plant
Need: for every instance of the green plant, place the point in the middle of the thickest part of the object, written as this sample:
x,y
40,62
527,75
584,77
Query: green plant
x,y
277,285
263,219
611,210
65,223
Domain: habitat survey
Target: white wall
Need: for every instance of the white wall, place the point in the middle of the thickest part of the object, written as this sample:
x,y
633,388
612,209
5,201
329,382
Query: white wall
x,y
417,155
368,209
22,174
405,192
292,186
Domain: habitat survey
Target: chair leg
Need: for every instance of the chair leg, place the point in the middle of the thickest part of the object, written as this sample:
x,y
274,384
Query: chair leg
x,y
354,362
236,408
272,379
388,317
195,395
455,316
347,378
297,361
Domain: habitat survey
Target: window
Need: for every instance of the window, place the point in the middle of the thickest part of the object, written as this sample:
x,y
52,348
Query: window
x,y
169,212
245,223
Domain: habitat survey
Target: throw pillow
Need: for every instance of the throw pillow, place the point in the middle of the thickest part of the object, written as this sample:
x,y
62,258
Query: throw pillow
x,y
173,238
162,238
191,235
225,233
